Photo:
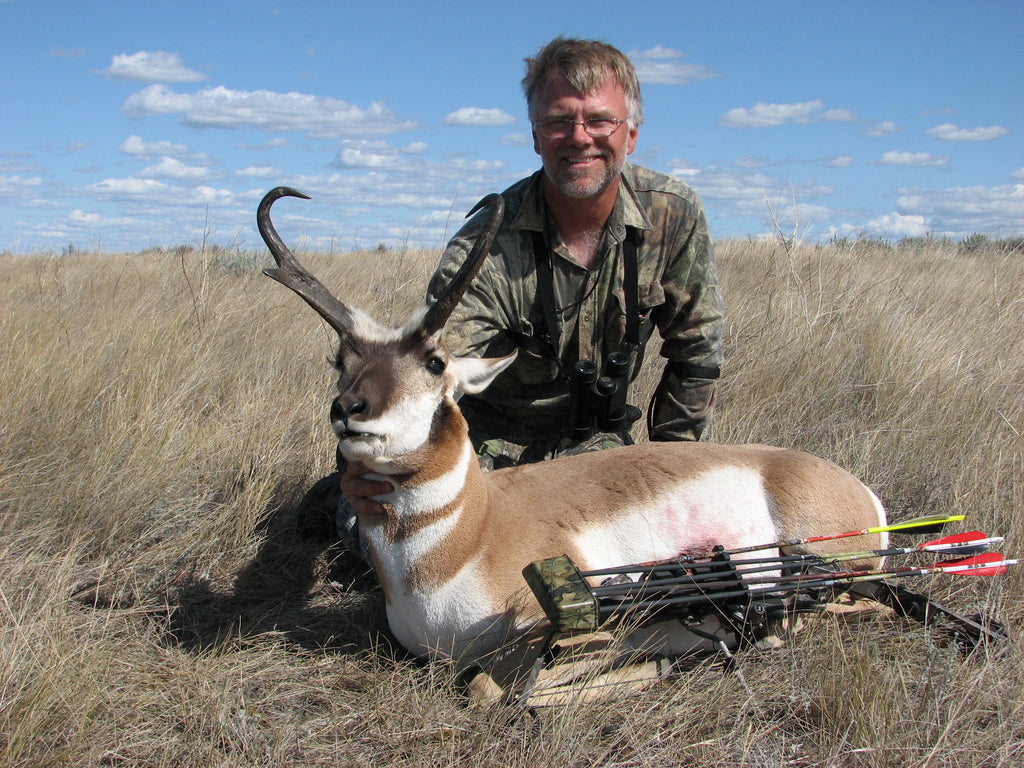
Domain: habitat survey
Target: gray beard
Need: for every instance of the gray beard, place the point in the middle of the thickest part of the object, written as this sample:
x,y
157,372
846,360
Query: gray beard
x,y
584,187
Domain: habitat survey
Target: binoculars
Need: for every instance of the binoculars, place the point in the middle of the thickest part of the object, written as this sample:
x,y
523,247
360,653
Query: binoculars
x,y
598,403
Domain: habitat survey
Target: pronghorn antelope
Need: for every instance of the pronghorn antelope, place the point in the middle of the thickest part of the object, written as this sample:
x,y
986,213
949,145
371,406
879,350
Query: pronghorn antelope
x,y
451,544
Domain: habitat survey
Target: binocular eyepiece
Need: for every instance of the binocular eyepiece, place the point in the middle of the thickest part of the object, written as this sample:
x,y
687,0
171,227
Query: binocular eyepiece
x,y
598,403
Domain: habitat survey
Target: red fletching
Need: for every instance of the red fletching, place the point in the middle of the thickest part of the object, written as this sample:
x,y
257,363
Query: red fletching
x,y
987,564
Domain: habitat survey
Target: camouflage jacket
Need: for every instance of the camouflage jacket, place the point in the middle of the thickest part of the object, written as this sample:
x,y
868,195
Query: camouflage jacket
x,y
502,311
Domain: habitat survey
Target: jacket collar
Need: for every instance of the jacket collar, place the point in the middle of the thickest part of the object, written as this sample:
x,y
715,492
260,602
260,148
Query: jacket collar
x,y
627,212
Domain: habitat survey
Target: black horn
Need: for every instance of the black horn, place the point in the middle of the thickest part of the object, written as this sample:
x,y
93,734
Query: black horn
x,y
293,275
441,310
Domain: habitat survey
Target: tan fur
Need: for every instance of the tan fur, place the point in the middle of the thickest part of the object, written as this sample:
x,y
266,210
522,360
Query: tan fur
x,y
512,517
452,542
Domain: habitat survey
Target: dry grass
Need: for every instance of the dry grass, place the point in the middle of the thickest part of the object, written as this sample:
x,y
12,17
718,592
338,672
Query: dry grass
x,y
163,413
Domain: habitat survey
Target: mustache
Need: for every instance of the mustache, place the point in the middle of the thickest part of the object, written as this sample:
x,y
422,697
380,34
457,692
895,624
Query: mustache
x,y
582,155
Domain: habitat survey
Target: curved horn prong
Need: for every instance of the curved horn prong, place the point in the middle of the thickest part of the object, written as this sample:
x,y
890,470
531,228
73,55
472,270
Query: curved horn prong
x,y
441,310
293,275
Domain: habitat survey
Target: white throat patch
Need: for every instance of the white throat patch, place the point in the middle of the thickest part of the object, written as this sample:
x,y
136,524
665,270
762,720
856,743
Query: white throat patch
x,y
433,494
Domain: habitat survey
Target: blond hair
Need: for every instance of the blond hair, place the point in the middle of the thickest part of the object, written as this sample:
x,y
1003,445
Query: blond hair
x,y
586,65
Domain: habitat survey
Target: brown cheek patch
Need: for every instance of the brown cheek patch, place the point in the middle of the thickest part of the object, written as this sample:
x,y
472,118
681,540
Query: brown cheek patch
x,y
442,452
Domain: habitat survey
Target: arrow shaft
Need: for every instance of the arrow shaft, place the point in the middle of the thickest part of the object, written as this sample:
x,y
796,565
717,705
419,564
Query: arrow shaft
x,y
717,586
921,523
991,564
953,544
929,522
945,547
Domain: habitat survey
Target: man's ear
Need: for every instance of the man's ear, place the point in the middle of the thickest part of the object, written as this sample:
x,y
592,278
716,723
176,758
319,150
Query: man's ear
x,y
475,374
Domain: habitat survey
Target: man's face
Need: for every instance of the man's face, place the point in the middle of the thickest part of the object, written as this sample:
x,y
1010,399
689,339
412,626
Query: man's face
x,y
580,165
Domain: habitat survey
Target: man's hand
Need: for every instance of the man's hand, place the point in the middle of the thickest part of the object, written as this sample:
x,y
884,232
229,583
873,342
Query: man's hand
x,y
358,489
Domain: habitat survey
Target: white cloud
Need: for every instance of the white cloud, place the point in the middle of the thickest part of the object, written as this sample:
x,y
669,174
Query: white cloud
x,y
1018,174
683,167
913,159
951,132
516,140
954,212
741,193
204,194
890,226
152,67
882,129
959,211
840,161
170,168
750,161
477,166
359,157
448,188
128,186
155,199
136,147
764,115
379,154
477,116
15,185
657,52
663,66
220,107
899,225
258,172
156,100
80,217
839,116
275,143
123,232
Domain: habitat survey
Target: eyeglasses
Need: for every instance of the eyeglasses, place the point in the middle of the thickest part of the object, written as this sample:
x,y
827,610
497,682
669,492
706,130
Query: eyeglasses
x,y
596,127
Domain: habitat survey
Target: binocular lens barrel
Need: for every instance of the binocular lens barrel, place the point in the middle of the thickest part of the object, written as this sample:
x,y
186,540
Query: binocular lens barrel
x,y
598,403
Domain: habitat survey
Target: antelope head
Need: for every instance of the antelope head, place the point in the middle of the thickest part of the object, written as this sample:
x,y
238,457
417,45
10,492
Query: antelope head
x,y
396,386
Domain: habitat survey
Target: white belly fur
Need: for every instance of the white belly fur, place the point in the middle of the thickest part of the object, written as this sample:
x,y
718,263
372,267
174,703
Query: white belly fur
x,y
699,513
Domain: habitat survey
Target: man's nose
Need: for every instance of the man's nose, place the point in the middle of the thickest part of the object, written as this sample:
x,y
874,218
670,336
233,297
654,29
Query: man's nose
x,y
579,134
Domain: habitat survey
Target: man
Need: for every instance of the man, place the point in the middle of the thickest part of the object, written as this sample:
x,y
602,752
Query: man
x,y
593,254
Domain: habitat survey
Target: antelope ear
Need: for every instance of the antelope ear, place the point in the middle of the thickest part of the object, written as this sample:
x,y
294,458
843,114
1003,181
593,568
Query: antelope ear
x,y
475,374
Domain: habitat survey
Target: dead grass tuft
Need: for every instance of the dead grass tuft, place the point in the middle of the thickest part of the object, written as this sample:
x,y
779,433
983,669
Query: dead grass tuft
x,y
161,605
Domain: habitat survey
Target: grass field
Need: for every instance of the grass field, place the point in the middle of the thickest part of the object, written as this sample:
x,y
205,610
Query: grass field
x,y
163,413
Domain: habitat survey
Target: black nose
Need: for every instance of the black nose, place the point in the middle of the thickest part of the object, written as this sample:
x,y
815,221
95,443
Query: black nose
x,y
341,412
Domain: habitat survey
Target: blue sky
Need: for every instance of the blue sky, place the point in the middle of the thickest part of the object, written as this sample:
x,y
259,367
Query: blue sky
x,y
130,125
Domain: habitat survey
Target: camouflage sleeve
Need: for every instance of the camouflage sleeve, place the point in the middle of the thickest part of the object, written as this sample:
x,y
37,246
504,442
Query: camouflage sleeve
x,y
691,324
477,327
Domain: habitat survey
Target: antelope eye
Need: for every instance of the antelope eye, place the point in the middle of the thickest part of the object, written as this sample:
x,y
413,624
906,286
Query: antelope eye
x,y
435,365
